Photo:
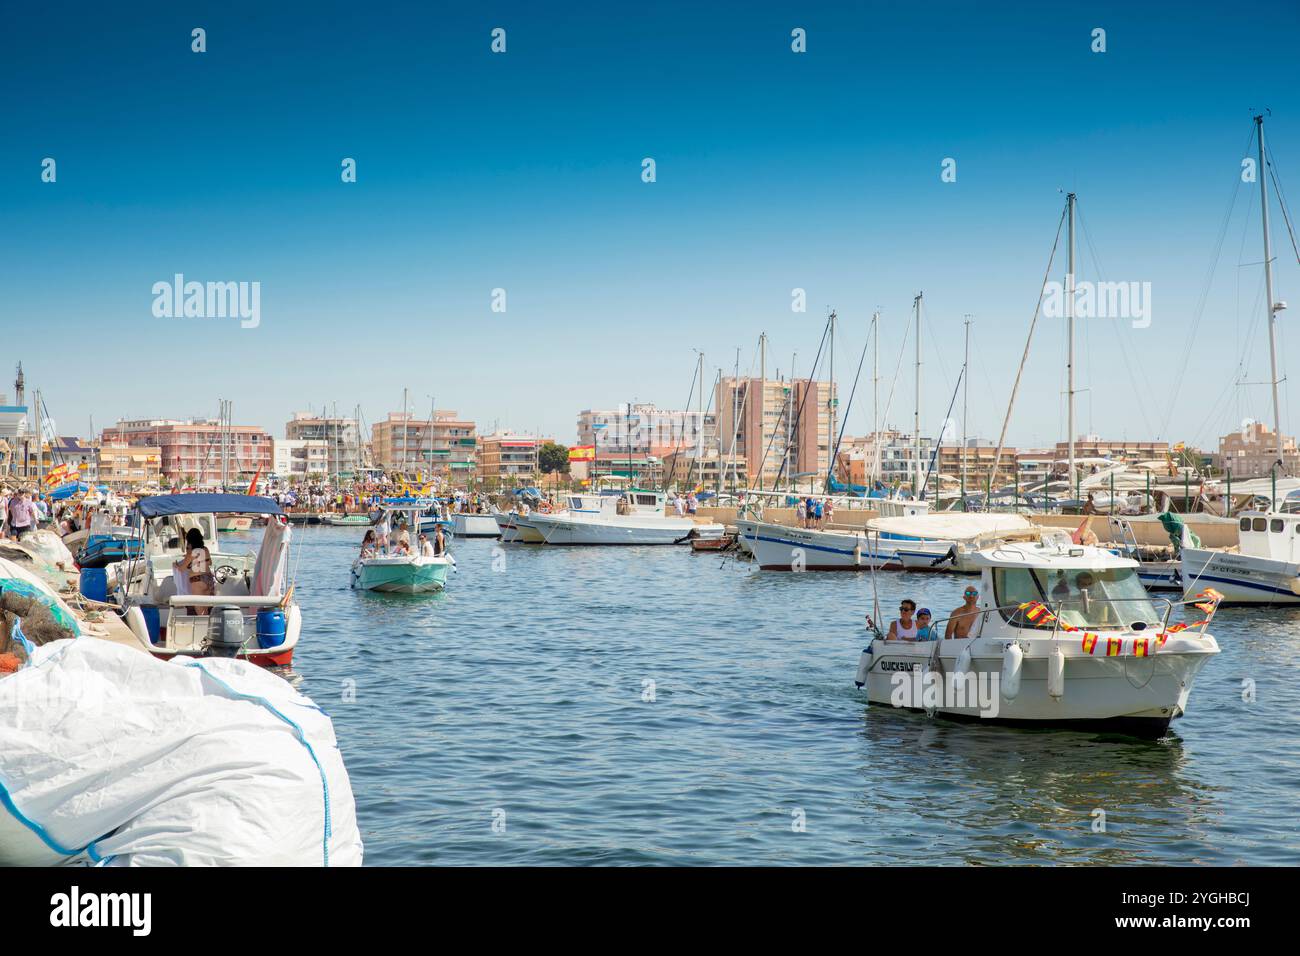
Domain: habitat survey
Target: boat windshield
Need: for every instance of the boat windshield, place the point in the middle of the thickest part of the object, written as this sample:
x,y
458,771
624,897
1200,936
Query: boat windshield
x,y
1081,597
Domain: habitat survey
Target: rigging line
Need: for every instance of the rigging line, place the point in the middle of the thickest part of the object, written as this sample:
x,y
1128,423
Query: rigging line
x,y
844,419
1203,300
804,401
1123,346
898,370
682,438
812,377
934,454
1281,201
1038,306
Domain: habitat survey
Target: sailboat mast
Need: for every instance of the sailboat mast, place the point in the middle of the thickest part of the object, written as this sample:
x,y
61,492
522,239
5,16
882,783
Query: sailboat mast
x,y
830,409
875,397
916,421
1069,333
762,400
1269,305
965,405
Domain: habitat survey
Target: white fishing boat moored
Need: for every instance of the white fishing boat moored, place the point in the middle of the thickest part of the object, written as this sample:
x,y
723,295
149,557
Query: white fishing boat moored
x,y
471,525
919,542
1264,568
1063,636
633,517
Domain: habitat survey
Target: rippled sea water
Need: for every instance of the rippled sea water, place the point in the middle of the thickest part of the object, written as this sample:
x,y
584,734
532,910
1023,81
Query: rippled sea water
x,y
517,696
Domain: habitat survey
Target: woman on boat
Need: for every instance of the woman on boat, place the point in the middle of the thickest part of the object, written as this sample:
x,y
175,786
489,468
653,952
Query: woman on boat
x,y
369,544
197,563
439,542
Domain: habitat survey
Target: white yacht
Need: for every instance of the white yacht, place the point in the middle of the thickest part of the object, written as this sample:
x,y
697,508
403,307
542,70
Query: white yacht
x,y
1064,636
635,516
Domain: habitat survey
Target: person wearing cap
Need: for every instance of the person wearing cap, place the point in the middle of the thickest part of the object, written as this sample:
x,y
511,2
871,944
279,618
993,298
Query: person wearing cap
x,y
962,620
924,632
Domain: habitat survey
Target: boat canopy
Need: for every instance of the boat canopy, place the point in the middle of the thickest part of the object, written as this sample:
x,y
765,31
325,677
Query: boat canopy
x,y
952,526
206,504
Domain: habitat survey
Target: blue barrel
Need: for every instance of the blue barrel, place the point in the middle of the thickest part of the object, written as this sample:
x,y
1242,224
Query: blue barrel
x,y
94,583
270,628
152,622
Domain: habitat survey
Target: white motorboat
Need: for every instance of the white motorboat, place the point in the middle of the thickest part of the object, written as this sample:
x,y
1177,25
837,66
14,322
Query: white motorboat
x,y
917,542
632,517
251,613
1063,636
472,525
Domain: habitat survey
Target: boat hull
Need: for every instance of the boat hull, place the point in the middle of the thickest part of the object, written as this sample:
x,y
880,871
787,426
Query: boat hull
x,y
1125,693
1241,578
780,548
570,529
475,526
400,576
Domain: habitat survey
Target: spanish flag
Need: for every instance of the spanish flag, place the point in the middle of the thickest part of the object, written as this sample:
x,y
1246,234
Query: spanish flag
x,y
1089,643
1141,647
582,453
1114,645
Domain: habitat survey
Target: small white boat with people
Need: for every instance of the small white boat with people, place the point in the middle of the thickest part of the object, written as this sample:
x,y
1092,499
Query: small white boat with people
x,y
1056,634
183,595
392,561
632,517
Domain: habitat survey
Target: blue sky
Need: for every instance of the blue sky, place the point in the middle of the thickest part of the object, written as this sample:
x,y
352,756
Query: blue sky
x,y
522,171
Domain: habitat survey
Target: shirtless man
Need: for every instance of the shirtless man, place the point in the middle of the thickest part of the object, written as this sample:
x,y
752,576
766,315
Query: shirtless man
x,y
963,618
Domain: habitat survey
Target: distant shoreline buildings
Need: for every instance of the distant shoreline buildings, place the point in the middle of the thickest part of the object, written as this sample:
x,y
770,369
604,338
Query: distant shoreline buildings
x,y
751,433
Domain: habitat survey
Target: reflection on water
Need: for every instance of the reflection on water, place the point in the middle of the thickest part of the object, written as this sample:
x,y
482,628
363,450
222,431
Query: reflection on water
x,y
648,705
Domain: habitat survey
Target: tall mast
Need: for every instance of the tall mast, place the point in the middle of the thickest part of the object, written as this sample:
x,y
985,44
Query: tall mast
x,y
1269,304
762,402
699,423
916,422
875,397
830,410
1069,334
40,433
735,413
965,394
406,430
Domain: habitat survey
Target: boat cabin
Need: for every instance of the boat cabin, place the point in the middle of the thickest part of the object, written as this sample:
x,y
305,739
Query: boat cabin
x,y
1083,587
1270,535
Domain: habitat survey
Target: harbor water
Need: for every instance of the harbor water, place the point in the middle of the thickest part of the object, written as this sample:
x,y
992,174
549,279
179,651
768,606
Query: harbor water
x,y
654,706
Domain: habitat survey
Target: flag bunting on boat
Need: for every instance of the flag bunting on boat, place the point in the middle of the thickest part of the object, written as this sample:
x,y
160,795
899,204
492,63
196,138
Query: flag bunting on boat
x,y
1207,601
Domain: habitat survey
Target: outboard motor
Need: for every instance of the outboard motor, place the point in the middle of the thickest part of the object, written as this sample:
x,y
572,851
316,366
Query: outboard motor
x,y
225,631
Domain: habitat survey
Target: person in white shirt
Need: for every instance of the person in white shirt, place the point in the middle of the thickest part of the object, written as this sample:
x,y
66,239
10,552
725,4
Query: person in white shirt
x,y
426,547
679,503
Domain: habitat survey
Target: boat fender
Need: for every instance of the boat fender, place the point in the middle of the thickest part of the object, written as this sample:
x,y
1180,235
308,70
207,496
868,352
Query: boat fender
x,y
1056,673
1012,659
864,665
964,660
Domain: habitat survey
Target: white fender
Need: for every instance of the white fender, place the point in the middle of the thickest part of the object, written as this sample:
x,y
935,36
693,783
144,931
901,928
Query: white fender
x,y
864,665
1012,658
1056,673
964,660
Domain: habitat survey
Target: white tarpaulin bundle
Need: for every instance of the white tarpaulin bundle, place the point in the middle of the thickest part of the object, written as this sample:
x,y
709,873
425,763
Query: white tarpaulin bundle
x,y
108,755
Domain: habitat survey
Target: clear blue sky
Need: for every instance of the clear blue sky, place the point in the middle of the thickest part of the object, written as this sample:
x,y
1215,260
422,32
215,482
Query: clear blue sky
x,y
523,171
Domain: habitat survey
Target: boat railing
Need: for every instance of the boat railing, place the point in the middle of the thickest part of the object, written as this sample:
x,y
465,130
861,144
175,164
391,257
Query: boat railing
x,y
1009,612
